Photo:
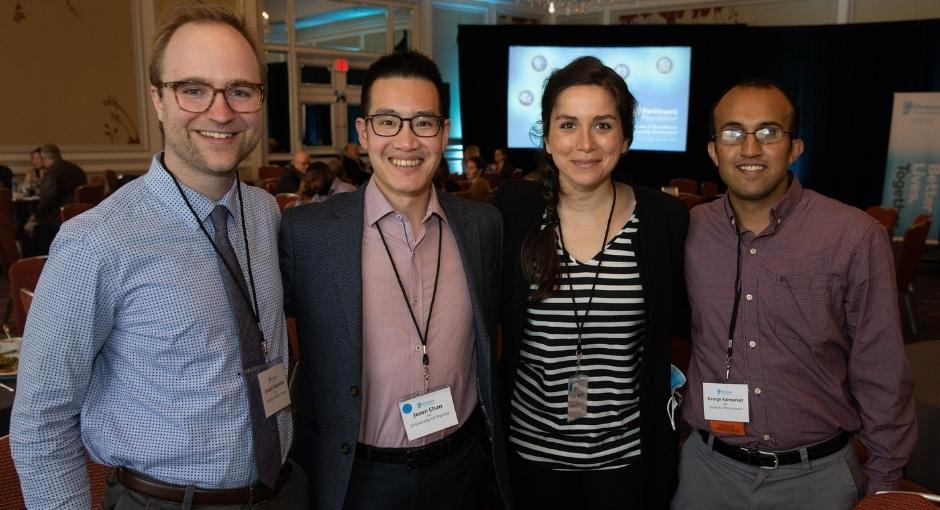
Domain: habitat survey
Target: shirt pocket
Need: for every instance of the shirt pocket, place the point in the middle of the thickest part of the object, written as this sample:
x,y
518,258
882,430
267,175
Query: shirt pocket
x,y
803,307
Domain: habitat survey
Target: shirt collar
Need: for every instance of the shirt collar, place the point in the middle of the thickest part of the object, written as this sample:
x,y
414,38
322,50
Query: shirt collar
x,y
161,185
781,210
377,206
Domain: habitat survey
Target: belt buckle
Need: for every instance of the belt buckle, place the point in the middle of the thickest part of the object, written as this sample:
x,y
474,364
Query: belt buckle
x,y
776,460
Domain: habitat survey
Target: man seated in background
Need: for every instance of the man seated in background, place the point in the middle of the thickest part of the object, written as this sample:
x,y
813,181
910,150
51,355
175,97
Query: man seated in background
x,y
29,184
290,179
57,188
353,166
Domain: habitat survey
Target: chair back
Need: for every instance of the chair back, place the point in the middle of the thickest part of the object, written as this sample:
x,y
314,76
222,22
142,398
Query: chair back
x,y
888,216
685,185
690,200
921,218
111,178
270,172
270,184
89,193
69,211
284,200
10,495
894,501
710,190
96,180
26,297
915,238
24,274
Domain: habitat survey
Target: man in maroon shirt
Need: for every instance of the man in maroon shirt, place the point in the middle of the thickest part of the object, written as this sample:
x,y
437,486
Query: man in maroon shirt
x,y
796,336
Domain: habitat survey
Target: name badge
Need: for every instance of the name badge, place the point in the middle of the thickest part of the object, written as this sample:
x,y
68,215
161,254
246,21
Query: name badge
x,y
275,393
726,402
577,397
428,413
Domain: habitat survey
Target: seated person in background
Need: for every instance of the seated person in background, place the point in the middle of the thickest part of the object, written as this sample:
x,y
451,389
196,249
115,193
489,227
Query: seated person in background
x,y
479,186
340,183
353,166
315,185
57,188
443,180
31,179
290,179
6,177
502,166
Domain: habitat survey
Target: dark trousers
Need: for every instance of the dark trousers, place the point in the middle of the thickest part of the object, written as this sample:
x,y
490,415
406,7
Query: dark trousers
x,y
293,495
461,481
538,488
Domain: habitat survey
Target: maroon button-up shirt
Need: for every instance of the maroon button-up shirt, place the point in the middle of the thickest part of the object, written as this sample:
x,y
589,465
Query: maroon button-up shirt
x,y
818,338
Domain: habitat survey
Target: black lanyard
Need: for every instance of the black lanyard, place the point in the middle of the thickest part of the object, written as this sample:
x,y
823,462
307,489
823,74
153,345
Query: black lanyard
x,y
252,303
437,274
580,320
729,352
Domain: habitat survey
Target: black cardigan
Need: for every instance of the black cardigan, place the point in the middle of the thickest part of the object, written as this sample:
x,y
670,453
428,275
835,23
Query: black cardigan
x,y
664,221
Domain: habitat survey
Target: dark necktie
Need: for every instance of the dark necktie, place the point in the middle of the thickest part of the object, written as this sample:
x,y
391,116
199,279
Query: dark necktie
x,y
267,443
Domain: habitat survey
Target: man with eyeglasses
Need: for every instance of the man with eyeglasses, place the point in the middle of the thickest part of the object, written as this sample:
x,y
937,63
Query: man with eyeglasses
x,y
394,291
156,342
796,338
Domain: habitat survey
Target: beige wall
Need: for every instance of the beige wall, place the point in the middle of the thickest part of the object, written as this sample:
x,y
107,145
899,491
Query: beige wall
x,y
61,67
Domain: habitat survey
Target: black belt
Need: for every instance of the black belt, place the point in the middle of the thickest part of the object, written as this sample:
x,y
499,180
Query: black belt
x,y
766,459
176,493
421,456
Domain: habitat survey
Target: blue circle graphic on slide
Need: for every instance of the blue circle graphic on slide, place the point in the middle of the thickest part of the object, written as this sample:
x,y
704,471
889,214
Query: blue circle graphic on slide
x,y
539,63
406,409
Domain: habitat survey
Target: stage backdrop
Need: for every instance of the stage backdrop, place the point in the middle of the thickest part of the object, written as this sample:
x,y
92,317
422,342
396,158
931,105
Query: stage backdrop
x,y
913,170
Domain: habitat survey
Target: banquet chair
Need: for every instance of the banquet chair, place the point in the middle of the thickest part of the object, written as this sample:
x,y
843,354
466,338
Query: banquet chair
x,y
895,501
270,185
88,193
285,200
685,185
69,211
270,172
26,297
915,238
691,200
710,190
888,216
24,274
111,179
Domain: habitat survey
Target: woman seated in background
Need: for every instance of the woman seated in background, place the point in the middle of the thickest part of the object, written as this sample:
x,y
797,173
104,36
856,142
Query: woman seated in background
x,y
479,187
315,184
593,290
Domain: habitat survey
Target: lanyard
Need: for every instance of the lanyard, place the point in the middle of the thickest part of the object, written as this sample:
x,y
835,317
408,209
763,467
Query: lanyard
x,y
729,352
252,304
425,360
580,320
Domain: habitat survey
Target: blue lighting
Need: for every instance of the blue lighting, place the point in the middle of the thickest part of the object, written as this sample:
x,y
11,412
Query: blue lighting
x,y
337,16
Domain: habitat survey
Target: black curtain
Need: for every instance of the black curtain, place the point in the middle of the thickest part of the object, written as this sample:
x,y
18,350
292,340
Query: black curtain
x,y
842,77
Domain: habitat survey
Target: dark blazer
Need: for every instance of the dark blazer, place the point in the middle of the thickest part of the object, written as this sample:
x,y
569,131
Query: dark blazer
x,y
321,260
664,222
56,189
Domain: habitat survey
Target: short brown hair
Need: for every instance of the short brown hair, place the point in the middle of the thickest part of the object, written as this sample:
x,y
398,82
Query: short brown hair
x,y
197,12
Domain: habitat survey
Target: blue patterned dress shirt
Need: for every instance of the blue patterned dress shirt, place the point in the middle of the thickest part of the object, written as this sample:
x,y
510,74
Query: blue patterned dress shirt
x,y
131,349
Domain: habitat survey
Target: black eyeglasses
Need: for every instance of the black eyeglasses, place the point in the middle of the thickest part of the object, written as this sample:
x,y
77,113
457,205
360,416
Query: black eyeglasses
x,y
735,135
197,97
388,124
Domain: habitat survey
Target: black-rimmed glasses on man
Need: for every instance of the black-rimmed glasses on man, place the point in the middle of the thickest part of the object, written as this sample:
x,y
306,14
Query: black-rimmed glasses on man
x,y
388,124
735,135
197,97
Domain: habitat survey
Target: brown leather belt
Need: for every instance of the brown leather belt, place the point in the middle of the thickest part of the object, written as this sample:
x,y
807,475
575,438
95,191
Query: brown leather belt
x,y
177,493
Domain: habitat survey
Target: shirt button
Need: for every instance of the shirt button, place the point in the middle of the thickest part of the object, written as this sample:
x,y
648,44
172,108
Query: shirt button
x,y
354,391
753,251
748,297
766,437
418,347
758,391
752,344
344,448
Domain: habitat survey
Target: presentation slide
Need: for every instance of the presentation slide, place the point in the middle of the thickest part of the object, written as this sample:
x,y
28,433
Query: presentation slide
x,y
657,76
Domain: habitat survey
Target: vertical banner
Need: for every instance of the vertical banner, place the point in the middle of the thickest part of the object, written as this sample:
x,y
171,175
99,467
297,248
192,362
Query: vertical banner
x,y
913,172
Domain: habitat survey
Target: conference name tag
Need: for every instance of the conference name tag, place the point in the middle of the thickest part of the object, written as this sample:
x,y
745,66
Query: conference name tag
x,y
428,413
726,402
274,391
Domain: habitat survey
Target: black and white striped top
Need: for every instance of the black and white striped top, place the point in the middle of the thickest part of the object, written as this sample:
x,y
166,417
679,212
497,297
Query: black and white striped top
x,y
608,437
